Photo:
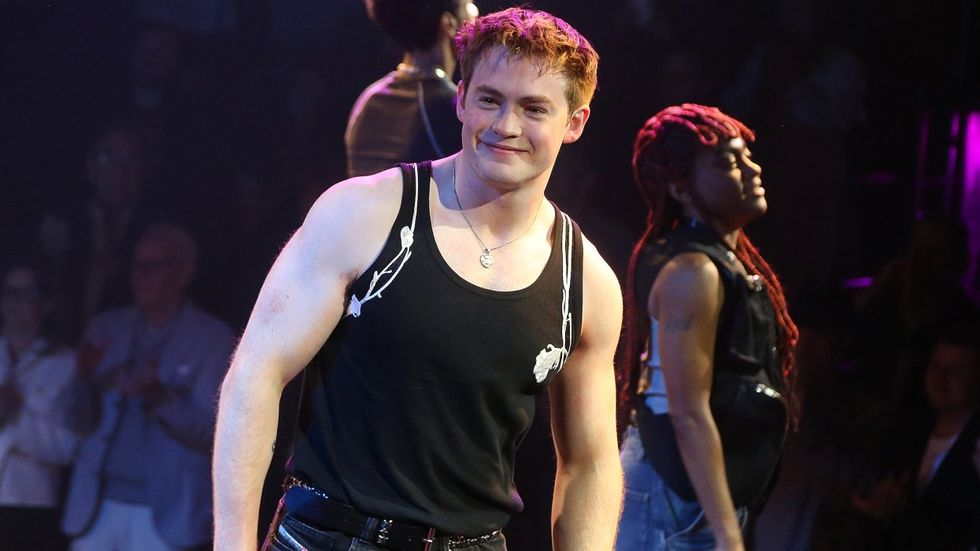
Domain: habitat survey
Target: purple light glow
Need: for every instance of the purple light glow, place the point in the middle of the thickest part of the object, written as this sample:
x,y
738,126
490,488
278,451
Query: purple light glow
x,y
971,200
858,282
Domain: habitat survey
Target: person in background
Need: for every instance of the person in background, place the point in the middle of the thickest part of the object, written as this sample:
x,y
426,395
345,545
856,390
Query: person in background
x,y
144,401
931,499
707,373
410,114
35,444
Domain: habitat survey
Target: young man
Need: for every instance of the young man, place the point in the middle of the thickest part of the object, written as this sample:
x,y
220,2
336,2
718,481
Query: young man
x,y
428,306
410,114
709,346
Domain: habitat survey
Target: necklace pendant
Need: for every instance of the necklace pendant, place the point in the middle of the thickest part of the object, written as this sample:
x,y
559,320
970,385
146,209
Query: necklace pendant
x,y
486,259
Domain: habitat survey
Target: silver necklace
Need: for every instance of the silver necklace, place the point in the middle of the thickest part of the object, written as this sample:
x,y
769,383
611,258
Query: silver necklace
x,y
486,259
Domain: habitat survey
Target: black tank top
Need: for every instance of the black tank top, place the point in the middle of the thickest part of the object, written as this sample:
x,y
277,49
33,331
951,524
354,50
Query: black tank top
x,y
414,407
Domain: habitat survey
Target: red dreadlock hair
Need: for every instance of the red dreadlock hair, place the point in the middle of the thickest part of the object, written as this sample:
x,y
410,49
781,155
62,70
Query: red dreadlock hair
x,y
664,152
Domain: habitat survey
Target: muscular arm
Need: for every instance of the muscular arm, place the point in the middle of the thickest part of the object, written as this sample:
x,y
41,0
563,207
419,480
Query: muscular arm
x,y
588,483
300,303
687,299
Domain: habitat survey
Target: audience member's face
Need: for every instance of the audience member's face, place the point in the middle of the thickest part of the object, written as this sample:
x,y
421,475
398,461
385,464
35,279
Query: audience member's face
x,y
21,304
158,276
116,168
952,378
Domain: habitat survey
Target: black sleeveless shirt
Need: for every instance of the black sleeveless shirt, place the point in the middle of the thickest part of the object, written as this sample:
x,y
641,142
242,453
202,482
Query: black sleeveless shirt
x,y
414,407
746,390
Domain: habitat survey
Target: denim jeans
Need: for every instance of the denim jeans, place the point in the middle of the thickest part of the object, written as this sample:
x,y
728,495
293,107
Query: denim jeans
x,y
654,517
291,534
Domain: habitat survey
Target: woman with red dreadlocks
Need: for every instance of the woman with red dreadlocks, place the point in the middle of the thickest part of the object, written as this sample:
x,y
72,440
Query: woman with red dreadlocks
x,y
707,373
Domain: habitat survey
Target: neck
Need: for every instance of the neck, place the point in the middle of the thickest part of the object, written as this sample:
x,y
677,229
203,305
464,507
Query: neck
x,y
158,315
728,234
498,211
950,422
430,62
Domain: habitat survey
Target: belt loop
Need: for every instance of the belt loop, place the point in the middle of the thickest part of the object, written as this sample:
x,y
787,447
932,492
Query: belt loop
x,y
430,537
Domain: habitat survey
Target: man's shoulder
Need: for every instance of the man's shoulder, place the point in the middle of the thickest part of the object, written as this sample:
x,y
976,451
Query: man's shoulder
x,y
600,285
595,265
357,199
347,225
379,90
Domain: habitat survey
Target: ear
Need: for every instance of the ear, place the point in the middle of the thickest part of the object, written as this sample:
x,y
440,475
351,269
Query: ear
x,y
448,25
460,100
576,124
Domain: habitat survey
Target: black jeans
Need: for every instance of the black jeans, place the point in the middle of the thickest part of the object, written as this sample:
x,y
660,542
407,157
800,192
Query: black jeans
x,y
288,533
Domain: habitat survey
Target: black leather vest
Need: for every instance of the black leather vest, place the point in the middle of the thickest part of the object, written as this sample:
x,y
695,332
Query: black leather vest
x,y
746,391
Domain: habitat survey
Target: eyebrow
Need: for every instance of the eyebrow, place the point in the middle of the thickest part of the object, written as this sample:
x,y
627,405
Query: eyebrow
x,y
727,148
487,89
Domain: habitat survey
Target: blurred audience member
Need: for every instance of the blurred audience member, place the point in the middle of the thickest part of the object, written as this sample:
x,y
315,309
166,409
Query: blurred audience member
x,y
912,297
931,499
410,114
880,395
87,242
144,398
34,443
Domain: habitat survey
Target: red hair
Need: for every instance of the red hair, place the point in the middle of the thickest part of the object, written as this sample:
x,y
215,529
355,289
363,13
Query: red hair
x,y
535,35
664,152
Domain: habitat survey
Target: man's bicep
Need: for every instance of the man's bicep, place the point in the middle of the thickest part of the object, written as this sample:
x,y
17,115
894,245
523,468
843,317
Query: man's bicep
x,y
300,303
583,396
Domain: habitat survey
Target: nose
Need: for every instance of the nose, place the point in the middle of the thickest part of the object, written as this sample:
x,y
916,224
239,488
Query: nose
x,y
506,124
752,172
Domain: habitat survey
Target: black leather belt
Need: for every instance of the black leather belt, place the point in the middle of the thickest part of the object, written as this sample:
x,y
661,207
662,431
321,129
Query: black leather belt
x,y
310,504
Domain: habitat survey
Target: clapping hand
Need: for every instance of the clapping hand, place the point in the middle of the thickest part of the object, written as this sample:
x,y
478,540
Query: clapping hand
x,y
90,355
144,384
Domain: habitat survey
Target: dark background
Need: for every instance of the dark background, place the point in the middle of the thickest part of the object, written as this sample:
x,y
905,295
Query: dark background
x,y
855,104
